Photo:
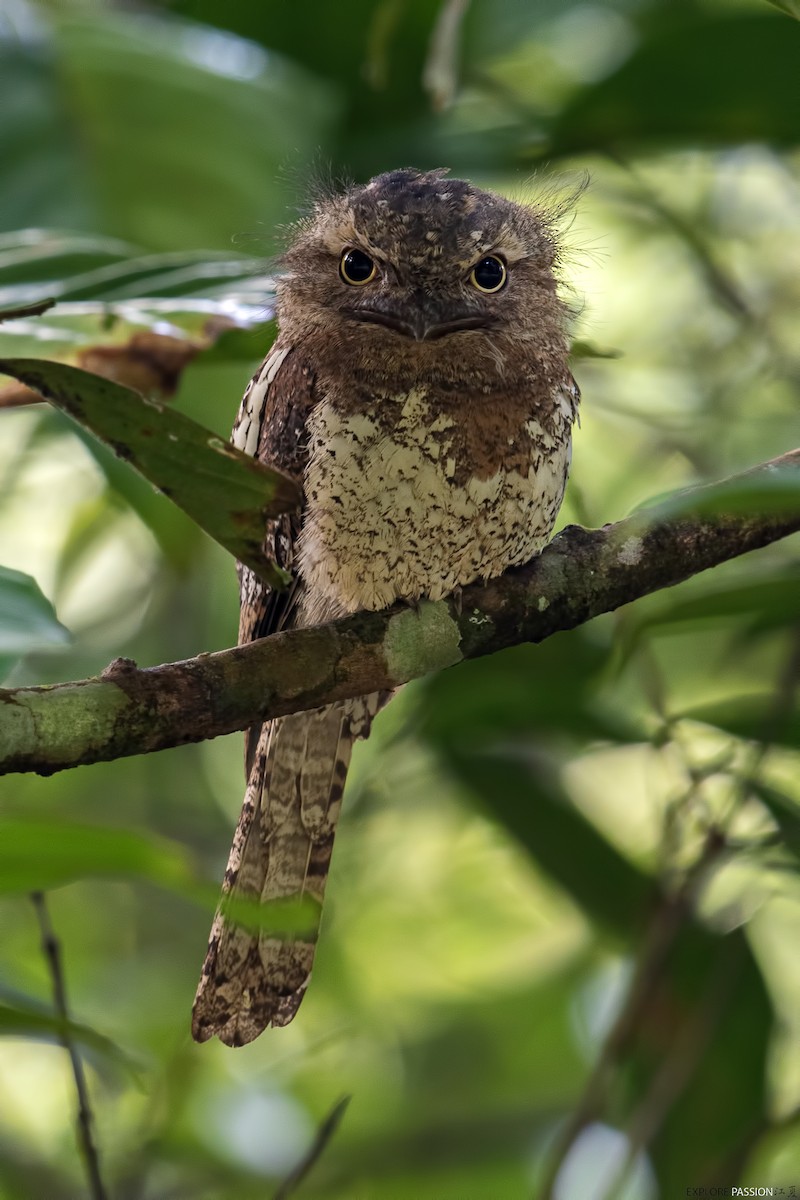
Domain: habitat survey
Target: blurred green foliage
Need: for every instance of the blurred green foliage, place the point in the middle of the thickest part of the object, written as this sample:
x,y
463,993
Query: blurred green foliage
x,y
559,953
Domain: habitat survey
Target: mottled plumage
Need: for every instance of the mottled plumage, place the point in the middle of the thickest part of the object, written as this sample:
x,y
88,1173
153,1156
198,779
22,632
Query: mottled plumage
x,y
429,420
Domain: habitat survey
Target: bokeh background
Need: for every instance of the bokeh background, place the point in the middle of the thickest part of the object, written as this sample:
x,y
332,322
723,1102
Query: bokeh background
x,y
560,949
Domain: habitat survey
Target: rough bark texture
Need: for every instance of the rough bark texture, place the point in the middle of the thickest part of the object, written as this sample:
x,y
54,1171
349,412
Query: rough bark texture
x,y
581,574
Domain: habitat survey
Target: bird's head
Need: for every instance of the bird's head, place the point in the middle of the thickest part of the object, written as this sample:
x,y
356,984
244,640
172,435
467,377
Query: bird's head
x,y
415,271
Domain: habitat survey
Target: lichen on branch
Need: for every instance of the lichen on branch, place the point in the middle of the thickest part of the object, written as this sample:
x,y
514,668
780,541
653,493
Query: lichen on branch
x,y
581,574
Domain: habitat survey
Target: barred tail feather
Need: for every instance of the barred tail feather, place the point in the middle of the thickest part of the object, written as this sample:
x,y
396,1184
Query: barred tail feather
x,y
281,850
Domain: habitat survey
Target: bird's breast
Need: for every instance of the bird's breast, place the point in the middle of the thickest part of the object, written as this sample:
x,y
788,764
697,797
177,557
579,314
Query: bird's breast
x,y
409,501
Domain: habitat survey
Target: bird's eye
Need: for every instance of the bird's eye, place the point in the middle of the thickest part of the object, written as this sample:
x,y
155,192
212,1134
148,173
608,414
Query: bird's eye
x,y
357,268
489,275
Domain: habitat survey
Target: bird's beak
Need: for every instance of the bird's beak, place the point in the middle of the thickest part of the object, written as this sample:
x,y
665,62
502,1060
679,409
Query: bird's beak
x,y
419,320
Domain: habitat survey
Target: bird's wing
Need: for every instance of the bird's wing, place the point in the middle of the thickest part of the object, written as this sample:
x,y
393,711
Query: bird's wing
x,y
271,426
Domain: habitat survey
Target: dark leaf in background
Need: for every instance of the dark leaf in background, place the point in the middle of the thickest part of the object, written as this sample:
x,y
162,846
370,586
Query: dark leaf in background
x,y
139,89
698,1063
85,267
696,78
128,91
373,63
45,188
555,688
521,790
772,597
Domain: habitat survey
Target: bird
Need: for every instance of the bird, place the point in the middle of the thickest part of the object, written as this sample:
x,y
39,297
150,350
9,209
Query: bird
x,y
420,393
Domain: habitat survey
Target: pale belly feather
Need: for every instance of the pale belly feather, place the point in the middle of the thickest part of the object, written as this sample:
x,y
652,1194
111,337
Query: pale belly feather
x,y
385,519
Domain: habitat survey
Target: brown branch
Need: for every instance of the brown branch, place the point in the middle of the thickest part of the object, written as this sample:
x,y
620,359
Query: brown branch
x,y
20,311
581,574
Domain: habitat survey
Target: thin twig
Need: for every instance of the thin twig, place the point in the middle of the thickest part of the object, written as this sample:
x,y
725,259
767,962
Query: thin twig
x,y
689,1043
324,1134
675,1072
721,284
664,928
20,311
86,1142
690,1040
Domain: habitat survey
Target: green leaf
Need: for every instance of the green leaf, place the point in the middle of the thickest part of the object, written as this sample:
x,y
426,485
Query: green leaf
x,y
228,494
36,129
582,348
773,491
752,717
39,855
289,916
714,1021
240,345
550,689
152,88
521,789
790,7
27,1018
176,536
179,274
75,267
27,619
770,603
784,811
491,721
35,255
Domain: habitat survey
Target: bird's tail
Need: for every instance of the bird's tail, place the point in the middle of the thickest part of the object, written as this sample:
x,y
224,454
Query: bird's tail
x,y
252,976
